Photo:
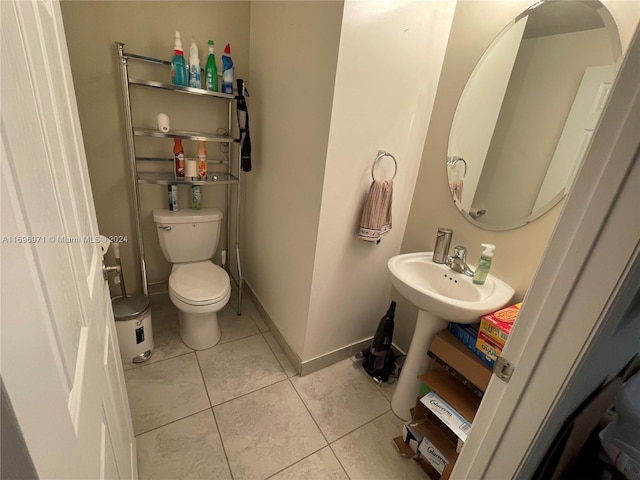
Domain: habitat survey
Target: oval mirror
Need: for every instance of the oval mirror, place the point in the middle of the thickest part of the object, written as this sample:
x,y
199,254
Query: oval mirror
x,y
526,115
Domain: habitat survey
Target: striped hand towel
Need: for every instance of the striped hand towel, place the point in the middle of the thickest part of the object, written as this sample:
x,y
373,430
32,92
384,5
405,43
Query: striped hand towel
x,y
376,214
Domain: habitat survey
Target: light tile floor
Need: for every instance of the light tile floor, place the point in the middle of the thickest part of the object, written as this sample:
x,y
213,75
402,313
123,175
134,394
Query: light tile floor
x,y
238,411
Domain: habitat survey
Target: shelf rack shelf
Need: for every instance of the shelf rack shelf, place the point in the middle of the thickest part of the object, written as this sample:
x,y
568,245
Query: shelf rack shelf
x,y
168,178
179,88
184,135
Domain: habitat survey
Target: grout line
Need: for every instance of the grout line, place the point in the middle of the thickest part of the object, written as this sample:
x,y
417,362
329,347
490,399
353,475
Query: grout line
x,y
339,461
157,362
204,383
274,353
172,421
365,423
248,393
307,409
231,341
296,462
224,449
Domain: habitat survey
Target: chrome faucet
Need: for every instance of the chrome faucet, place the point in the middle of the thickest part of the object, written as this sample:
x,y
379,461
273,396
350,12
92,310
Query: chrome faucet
x,y
443,241
458,261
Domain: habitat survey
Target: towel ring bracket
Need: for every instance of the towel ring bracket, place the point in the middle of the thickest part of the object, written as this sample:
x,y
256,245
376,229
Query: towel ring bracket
x,y
382,154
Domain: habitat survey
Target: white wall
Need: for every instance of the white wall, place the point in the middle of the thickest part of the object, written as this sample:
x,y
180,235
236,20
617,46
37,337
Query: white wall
x,y
388,69
294,50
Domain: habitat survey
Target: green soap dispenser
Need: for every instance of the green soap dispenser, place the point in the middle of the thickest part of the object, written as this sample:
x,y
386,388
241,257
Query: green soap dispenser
x,y
484,264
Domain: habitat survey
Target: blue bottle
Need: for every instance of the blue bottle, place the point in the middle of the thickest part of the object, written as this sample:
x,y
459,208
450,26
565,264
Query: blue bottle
x,y
227,70
178,65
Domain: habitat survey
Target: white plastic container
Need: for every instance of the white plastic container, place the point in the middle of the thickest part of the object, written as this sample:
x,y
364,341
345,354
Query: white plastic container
x,y
133,325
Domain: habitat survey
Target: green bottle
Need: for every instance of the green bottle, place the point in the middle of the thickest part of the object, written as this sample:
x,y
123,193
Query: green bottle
x,y
196,197
484,264
211,70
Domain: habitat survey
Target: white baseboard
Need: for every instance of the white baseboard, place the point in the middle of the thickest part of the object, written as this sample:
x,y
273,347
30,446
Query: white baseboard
x,y
319,362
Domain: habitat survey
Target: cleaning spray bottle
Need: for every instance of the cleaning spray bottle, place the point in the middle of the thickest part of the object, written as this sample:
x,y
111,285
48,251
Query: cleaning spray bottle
x,y
484,264
211,70
227,70
178,65
202,160
178,157
194,66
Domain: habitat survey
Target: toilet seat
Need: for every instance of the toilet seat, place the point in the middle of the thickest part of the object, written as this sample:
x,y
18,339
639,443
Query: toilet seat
x,y
199,284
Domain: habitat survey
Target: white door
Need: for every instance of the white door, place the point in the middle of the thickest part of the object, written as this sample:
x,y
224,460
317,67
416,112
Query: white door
x,y
59,361
582,120
573,307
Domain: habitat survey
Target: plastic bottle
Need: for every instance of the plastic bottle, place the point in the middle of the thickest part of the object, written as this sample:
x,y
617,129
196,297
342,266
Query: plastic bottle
x,y
202,160
196,197
178,157
211,70
484,264
227,70
173,197
178,65
195,80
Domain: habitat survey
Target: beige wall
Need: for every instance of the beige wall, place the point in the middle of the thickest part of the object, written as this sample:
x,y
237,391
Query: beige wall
x,y
518,251
294,51
146,28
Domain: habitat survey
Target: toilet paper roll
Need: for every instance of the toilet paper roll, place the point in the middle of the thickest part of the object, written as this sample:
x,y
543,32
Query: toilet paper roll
x,y
163,122
191,169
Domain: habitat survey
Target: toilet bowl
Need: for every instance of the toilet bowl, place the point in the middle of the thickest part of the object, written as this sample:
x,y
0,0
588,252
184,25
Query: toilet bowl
x,y
197,287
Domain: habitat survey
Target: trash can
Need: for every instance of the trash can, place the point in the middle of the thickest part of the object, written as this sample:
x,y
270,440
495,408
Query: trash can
x,y
133,325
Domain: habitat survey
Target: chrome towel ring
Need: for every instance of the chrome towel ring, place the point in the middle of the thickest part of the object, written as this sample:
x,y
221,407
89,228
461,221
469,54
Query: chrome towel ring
x,y
382,154
455,159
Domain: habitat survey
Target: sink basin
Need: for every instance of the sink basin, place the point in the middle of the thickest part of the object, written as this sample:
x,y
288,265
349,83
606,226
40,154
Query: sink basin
x,y
442,296
449,295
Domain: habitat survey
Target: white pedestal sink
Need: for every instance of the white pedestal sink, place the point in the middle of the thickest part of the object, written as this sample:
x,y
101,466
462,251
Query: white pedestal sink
x,y
441,296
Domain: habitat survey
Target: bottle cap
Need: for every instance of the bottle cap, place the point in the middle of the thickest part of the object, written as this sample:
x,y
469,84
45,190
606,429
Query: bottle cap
x,y
488,249
178,42
227,49
194,58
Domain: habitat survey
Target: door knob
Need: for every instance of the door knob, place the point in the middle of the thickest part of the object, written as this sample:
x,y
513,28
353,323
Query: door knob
x,y
106,271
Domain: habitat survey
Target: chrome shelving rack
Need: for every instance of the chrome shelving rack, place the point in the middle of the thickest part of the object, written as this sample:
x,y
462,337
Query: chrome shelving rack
x,y
167,178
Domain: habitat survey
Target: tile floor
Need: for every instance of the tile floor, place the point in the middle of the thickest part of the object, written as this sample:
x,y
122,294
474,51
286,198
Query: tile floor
x,y
238,411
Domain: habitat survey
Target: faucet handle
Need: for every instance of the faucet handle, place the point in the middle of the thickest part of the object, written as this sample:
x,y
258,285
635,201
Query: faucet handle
x,y
460,252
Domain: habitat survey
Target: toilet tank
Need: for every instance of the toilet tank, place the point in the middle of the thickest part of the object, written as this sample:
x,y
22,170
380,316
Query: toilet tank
x,y
188,235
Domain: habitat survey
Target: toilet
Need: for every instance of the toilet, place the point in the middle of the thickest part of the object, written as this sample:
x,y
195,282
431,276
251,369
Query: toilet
x,y
197,287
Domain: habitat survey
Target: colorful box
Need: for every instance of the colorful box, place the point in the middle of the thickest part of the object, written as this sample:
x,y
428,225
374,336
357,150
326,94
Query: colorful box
x,y
497,325
468,335
488,346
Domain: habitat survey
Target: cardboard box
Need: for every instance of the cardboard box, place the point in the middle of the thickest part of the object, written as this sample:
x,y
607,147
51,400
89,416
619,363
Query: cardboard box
x,y
437,451
447,414
412,437
435,457
452,352
497,325
468,335
453,403
492,349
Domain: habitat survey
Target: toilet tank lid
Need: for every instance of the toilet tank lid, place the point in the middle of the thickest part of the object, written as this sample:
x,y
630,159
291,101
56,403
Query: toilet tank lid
x,y
187,216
